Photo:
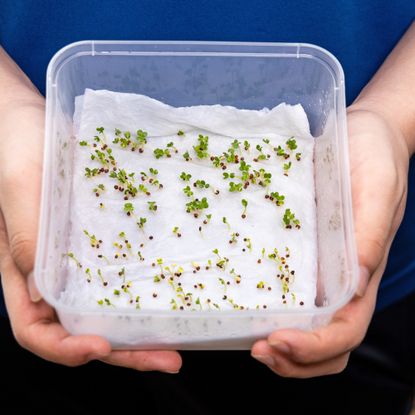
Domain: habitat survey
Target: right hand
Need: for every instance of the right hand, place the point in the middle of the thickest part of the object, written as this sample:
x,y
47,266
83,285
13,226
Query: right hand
x,y
34,322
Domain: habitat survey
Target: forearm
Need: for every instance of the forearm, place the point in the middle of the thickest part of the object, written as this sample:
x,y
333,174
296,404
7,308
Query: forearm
x,y
391,92
15,86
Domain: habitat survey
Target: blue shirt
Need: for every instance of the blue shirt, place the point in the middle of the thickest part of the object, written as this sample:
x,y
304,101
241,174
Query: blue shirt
x,y
359,33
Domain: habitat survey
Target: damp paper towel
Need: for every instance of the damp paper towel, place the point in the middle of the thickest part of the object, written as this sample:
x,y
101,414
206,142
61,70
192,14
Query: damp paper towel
x,y
249,279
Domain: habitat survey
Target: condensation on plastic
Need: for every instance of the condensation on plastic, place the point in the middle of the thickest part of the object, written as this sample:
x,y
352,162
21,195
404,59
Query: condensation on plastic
x,y
244,75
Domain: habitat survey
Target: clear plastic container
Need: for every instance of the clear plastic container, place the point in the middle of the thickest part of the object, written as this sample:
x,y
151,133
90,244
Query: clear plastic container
x,y
244,75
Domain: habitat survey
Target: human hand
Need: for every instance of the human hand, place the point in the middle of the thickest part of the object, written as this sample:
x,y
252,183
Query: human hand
x,y
35,324
379,163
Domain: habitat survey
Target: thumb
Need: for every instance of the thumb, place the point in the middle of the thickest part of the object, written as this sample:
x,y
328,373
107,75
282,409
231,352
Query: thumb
x,y
379,192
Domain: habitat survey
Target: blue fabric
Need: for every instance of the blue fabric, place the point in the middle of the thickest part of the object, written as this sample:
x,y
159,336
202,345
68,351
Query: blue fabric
x,y
360,33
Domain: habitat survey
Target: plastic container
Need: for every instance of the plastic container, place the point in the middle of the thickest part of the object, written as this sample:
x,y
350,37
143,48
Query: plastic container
x,y
244,75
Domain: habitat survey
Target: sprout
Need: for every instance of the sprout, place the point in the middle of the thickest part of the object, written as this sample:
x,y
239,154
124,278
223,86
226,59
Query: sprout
x,y
225,221
276,198
287,167
201,184
235,187
72,256
95,243
291,143
177,232
128,208
104,283
202,147
152,206
89,275
186,156
245,205
185,177
289,219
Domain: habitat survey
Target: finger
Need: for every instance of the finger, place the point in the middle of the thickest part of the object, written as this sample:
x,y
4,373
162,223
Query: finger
x,y
34,325
20,183
344,333
52,342
285,367
164,361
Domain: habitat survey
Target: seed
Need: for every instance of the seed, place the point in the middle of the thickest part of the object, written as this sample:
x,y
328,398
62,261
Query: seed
x,y
150,237
264,306
243,216
301,302
154,295
259,261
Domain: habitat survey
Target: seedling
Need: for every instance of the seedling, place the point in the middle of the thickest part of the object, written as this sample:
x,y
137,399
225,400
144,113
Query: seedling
x,y
225,221
177,232
237,277
105,301
276,198
202,147
248,244
95,243
89,173
261,155
128,208
185,176
72,256
180,133
291,143
235,187
137,302
234,238
208,218
140,255
287,167
244,205
247,145
104,283
171,146
100,256
196,206
159,153
152,206
89,275
98,190
141,223
221,262
201,184
298,156
186,156
289,220
197,302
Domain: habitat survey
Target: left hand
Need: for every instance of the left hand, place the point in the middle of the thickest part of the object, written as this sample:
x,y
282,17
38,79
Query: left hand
x,y
379,159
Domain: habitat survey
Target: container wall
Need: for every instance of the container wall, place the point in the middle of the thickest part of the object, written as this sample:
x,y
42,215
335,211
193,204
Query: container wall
x,y
250,76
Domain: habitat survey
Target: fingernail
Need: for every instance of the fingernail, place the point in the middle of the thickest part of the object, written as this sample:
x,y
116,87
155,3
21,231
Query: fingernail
x,y
364,276
265,359
280,346
34,293
171,372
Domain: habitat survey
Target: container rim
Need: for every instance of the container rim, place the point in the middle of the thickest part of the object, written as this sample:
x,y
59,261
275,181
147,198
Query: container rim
x,y
299,50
